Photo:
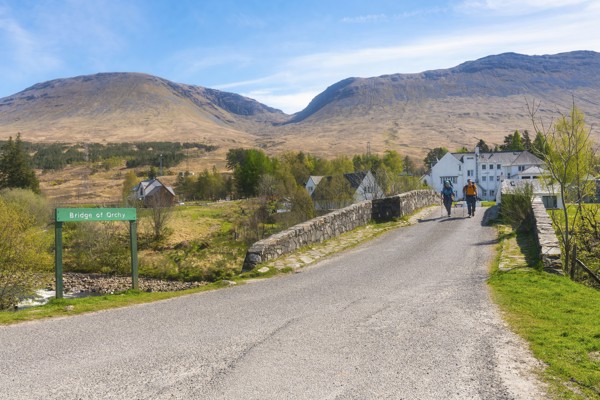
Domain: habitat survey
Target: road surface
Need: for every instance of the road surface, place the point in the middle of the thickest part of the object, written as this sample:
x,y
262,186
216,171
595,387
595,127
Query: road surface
x,y
405,316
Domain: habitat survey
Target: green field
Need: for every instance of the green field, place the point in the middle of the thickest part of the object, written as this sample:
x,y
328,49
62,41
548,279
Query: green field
x,y
558,317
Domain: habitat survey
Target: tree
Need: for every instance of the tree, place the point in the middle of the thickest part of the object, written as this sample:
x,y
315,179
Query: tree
x,y
434,155
410,168
527,140
248,166
569,162
483,146
513,142
15,167
393,162
333,192
129,182
539,147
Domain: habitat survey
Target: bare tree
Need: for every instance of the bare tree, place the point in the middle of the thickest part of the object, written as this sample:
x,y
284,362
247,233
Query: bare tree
x,y
160,210
569,163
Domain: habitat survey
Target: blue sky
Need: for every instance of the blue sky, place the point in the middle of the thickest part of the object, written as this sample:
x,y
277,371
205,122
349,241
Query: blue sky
x,y
281,53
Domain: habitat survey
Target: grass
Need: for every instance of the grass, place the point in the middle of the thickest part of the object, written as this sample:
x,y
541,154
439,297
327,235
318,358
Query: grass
x,y
558,317
69,307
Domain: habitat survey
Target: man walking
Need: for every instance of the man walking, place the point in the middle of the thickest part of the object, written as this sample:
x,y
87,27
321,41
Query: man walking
x,y
470,193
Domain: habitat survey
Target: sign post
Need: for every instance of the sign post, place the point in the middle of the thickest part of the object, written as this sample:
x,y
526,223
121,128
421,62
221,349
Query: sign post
x,y
94,214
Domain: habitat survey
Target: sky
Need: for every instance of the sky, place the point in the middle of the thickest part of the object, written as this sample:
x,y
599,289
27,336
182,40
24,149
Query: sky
x,y
281,53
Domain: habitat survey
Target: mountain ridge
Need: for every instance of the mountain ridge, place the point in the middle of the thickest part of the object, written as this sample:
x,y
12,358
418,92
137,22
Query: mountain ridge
x,y
410,113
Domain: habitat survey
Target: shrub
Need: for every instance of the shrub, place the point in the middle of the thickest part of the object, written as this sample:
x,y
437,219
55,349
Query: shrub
x,y
97,247
515,207
30,203
24,254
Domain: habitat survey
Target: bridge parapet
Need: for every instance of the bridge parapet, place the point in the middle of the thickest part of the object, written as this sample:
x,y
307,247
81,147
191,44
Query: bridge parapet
x,y
546,237
335,223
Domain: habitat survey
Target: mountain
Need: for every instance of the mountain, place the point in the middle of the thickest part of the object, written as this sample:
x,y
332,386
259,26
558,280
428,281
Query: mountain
x,y
411,113
486,98
117,107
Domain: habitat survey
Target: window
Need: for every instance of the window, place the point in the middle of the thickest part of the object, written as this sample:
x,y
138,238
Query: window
x,y
521,168
498,178
470,172
498,166
459,168
484,192
484,178
483,166
491,166
452,179
492,193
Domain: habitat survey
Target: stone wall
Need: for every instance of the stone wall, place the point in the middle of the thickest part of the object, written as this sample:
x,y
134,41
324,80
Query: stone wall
x,y
546,237
335,223
389,208
315,230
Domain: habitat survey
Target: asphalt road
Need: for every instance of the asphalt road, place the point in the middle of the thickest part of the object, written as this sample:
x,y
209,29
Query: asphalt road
x,y
406,316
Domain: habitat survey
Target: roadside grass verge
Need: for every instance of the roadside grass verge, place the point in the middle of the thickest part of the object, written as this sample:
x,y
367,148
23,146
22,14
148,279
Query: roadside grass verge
x,y
75,306
558,317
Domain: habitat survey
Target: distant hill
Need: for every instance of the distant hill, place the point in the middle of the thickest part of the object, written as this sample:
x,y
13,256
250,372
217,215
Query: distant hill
x,y
411,113
117,107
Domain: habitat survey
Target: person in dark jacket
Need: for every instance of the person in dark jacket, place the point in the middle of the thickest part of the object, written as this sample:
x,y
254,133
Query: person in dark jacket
x,y
448,196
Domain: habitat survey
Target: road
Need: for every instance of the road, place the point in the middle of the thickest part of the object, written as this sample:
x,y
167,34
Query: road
x,y
405,316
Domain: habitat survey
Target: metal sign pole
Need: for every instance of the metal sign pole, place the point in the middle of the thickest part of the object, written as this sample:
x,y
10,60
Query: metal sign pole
x,y
58,259
134,255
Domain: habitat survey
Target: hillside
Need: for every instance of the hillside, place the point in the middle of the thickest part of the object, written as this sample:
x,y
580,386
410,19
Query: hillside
x,y
119,107
486,98
410,113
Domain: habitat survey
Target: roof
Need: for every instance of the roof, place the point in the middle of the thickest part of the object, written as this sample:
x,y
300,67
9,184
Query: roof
x,y
146,188
510,185
355,178
533,171
315,178
504,157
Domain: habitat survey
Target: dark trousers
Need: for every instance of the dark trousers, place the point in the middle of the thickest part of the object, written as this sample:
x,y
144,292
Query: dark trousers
x,y
448,204
471,201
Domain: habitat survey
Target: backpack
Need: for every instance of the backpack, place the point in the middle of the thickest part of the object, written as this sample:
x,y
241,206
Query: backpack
x,y
470,190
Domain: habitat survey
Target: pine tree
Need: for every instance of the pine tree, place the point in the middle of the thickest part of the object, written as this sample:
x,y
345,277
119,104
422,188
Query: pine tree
x,y
15,167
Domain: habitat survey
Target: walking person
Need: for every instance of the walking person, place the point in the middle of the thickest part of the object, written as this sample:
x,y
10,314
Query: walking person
x,y
470,193
448,196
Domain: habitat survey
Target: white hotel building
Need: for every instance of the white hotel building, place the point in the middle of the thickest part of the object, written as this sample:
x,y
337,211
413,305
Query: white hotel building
x,y
487,170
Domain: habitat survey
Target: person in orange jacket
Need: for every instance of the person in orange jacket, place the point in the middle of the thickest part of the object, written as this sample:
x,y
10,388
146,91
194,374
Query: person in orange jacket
x,y
470,192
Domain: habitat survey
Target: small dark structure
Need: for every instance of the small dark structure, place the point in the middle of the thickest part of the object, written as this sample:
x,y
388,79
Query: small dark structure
x,y
153,193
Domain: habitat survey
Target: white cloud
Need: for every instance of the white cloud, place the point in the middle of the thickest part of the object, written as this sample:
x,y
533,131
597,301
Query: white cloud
x,y
23,47
515,7
307,75
288,103
361,19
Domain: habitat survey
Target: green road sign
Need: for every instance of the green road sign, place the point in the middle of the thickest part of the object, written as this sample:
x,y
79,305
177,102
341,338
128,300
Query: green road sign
x,y
95,214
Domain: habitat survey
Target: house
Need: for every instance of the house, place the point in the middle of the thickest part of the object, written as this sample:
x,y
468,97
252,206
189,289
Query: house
x,y
324,195
312,183
153,193
487,170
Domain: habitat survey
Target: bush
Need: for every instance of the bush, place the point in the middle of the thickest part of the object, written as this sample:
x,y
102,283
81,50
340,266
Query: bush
x,y
30,203
515,207
24,254
97,247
